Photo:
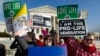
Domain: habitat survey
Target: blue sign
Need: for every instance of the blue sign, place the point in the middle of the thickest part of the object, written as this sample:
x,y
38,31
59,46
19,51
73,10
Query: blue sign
x,y
48,51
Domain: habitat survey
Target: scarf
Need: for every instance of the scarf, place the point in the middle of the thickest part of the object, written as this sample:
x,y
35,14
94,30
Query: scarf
x,y
89,49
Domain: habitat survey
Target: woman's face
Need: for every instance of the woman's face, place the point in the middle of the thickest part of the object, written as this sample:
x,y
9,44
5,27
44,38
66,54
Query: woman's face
x,y
89,41
48,42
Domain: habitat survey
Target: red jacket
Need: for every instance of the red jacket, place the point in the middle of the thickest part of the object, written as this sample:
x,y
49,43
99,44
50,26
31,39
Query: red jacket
x,y
39,43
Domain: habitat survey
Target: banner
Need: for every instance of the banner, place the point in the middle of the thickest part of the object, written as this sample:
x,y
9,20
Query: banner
x,y
67,11
41,21
20,22
72,27
38,20
10,9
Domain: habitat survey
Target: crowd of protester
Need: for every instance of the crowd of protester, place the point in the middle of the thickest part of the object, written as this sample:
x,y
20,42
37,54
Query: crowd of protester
x,y
47,38
83,47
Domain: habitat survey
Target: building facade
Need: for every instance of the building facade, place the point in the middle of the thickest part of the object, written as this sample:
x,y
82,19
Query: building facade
x,y
2,26
40,15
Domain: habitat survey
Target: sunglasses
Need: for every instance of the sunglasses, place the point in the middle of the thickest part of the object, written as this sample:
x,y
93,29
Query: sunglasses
x,y
50,39
89,39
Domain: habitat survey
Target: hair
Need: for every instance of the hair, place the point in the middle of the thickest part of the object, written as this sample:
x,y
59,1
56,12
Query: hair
x,y
31,35
89,34
41,36
52,28
47,38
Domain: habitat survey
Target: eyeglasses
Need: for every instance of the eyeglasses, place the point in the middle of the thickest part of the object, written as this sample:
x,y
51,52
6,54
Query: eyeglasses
x,y
89,39
50,39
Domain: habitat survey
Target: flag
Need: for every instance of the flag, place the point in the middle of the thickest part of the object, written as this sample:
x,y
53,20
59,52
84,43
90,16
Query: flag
x,y
20,21
30,22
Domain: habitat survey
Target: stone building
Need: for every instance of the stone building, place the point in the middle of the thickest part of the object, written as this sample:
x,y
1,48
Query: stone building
x,y
40,14
2,26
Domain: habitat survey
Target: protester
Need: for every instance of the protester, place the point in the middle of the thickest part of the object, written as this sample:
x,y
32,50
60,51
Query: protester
x,y
53,32
14,45
22,43
30,38
40,41
47,30
86,48
56,40
2,50
48,41
44,32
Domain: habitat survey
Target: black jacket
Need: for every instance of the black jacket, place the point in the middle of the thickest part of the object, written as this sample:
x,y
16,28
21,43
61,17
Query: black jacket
x,y
21,46
2,50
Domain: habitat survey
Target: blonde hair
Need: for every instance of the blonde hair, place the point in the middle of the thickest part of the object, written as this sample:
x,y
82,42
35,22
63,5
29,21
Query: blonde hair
x,y
89,34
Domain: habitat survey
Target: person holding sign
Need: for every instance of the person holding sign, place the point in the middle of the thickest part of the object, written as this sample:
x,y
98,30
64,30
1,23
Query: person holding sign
x,y
23,43
85,48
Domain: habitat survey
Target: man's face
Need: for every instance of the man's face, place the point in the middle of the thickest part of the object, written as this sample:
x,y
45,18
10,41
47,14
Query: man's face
x,y
89,41
27,38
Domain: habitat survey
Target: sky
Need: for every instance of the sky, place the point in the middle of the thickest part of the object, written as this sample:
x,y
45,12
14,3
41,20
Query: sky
x,y
92,6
